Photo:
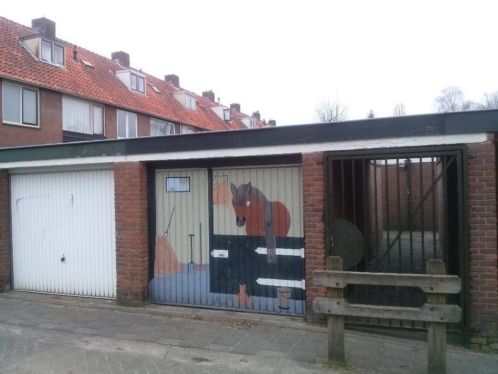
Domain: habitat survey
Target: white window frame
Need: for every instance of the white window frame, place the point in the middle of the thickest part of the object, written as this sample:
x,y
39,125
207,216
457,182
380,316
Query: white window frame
x,y
138,78
184,129
161,122
190,102
249,122
53,44
127,132
92,106
187,100
21,123
227,114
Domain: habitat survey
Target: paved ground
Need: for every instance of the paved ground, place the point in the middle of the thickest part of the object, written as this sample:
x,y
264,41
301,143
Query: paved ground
x,y
50,334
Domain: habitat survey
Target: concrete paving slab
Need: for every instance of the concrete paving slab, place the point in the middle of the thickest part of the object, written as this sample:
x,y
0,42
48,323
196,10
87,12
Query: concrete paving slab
x,y
197,341
249,345
56,334
217,347
167,341
229,340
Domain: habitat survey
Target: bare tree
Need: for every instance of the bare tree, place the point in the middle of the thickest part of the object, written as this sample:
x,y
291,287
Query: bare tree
x,y
490,100
470,105
450,100
399,110
331,111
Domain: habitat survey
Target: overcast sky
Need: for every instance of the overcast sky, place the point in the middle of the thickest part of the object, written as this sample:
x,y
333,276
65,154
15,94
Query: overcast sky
x,y
284,57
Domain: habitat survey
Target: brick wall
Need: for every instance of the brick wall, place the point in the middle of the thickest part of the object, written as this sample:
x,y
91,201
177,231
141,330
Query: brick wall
x,y
483,243
50,130
143,125
414,172
5,258
110,122
130,181
314,223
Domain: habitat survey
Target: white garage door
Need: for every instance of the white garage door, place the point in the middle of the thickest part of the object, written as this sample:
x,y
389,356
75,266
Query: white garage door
x,y
63,233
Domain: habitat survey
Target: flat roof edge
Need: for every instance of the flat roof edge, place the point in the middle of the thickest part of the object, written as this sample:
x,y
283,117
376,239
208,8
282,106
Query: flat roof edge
x,y
364,130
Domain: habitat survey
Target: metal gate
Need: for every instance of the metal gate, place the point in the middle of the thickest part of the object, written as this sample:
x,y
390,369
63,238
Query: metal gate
x,y
230,238
393,211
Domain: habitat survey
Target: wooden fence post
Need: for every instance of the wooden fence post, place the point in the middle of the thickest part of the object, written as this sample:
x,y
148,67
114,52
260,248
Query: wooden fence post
x,y
436,331
436,285
335,324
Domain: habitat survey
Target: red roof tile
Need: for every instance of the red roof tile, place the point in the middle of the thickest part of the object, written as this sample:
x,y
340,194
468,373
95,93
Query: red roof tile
x,y
99,82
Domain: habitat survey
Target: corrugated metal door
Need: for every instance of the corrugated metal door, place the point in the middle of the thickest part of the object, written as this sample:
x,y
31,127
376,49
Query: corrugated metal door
x,y
182,237
63,233
252,255
257,246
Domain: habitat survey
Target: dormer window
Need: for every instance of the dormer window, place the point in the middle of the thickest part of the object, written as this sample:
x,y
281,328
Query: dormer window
x,y
227,115
137,83
223,112
189,102
52,53
186,99
45,50
249,122
132,79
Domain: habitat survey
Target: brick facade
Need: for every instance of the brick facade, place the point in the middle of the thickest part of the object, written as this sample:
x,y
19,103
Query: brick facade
x,y
410,176
132,233
111,126
143,125
483,256
130,180
314,223
50,130
5,253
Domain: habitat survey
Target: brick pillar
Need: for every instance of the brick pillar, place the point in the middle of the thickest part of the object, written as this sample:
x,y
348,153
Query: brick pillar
x,y
483,243
130,187
5,253
314,223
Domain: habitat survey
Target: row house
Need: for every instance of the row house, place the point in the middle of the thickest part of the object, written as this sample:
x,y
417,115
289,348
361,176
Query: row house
x,y
53,91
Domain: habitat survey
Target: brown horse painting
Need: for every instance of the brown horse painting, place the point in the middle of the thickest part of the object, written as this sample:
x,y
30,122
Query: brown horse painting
x,y
260,216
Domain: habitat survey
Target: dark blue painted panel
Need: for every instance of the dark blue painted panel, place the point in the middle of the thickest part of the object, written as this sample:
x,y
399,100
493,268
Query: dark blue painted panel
x,y
244,266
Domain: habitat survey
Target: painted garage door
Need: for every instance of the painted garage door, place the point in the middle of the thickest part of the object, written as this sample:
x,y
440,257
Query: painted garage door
x,y
63,233
239,247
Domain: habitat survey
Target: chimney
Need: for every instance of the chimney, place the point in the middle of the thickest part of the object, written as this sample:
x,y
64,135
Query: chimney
x,y
43,26
122,58
272,122
209,95
173,79
257,115
75,53
235,107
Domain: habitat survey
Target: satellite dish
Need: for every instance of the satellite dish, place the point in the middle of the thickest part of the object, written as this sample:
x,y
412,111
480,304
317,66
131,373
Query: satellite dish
x,y
349,243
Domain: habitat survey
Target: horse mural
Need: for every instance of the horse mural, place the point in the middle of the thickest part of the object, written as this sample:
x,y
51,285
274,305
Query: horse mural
x,y
261,217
